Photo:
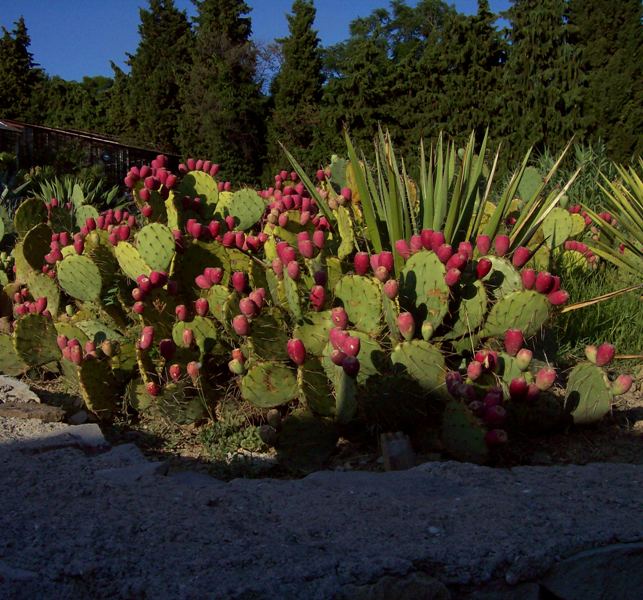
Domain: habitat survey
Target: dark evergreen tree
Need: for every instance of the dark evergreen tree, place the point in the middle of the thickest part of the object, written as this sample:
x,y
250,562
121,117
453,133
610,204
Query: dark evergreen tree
x,y
158,70
296,93
541,83
609,39
120,121
19,75
223,109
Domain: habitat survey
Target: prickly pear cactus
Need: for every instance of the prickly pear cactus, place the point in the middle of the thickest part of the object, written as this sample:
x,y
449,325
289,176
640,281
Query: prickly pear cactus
x,y
205,333
530,181
361,297
10,363
35,340
156,245
35,245
526,310
246,206
372,358
268,336
313,331
269,384
130,261
197,183
80,278
41,286
98,387
423,362
30,213
589,397
462,433
470,311
503,277
346,232
314,388
557,227
84,212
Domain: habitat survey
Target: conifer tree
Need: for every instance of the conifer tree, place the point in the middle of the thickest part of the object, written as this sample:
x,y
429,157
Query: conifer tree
x,y
158,69
296,92
223,108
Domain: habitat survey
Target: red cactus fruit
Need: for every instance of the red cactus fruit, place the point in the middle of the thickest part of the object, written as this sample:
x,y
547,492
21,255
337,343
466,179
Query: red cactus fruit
x,y
201,307
351,365
202,282
138,307
144,284
187,337
296,351
483,244
494,415
306,248
167,348
351,345
452,277
523,358
495,437
181,312
605,354
382,274
79,246
453,379
337,357
514,341
520,257
41,305
622,384
416,244
339,317
317,297
437,239
474,370
426,235
457,261
239,281
146,210
556,284
241,325
488,358
518,388
61,341
361,263
319,238
483,266
406,325
158,278
386,260
248,307
193,369
466,248
501,244
545,378
403,249
153,388
391,289
336,337
544,282
444,253
493,397
528,277
558,297
175,372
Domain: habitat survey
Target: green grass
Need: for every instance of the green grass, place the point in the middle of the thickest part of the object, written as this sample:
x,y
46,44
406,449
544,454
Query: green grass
x,y
618,321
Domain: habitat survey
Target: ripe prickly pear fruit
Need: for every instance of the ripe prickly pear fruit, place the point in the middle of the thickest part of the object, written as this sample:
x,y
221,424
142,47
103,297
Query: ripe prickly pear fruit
x,y
493,397
483,266
158,278
494,415
241,325
496,437
457,261
361,262
138,307
237,354
248,307
605,354
622,384
403,249
488,358
351,365
181,312
144,284
236,367
426,235
382,274
296,351
544,282
545,378
339,317
514,341
239,281
351,346
306,248
406,325
337,357
337,336
452,277
193,368
474,370
520,257
188,337
146,210
292,268
41,305
386,260
201,307
146,340
483,244
76,354
175,372
453,379
528,277
320,278
391,289
444,253
278,268
523,358
167,348
319,238
518,388
437,239
258,296
466,248
416,244
558,297
317,297
427,331
61,341
202,282
556,284
79,245
501,244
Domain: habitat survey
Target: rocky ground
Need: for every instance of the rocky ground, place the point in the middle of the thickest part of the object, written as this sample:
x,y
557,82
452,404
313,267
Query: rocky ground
x,y
81,519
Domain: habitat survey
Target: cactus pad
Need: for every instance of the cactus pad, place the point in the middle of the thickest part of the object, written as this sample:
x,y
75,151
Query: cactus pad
x,y
529,183
71,331
42,286
578,225
557,227
269,384
291,293
313,331
423,362
470,312
84,212
362,299
182,403
205,333
80,278
35,340
462,433
155,244
345,397
371,357
196,183
525,310
10,363
218,296
97,331
36,244
246,206
315,389
503,277
588,397
130,261
346,232
268,336
30,213
98,387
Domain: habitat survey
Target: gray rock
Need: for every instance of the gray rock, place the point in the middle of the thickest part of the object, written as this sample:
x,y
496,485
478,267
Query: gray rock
x,y
132,474
415,586
87,437
397,451
78,418
32,410
614,571
13,390
15,574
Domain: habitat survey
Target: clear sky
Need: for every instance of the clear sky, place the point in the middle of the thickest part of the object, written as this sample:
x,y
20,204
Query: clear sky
x,y
73,38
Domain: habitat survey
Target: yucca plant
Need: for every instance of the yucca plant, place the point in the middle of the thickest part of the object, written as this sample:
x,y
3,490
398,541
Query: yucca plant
x,y
78,190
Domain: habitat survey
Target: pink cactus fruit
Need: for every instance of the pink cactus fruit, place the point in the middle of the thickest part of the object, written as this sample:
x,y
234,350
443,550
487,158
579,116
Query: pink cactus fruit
x,y
386,260
175,372
605,354
474,370
202,282
444,253
193,368
518,388
248,307
521,256
292,268
558,298
545,378
452,277
437,239
351,345
406,325
483,267
181,312
457,261
337,357
296,351
336,337
622,384
496,437
483,244
528,277
239,281
514,341
426,235
188,337
391,289
201,307
317,297
351,366
403,249
241,325
361,263
501,244
544,282
339,317
453,379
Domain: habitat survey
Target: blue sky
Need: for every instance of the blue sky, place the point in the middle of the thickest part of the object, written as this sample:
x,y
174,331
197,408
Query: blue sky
x,y
72,38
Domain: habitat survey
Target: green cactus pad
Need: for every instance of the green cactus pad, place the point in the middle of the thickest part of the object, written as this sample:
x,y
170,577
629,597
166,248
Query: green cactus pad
x,y
137,396
571,260
527,311
529,183
423,362
97,331
182,403
155,244
79,277
10,363
313,331
4,278
71,331
503,278
172,211
269,384
217,297
197,183
98,387
289,232
315,389
35,340
305,442
36,244
130,261
578,225
124,362
338,172
557,227
470,311
30,213
246,206
345,397
346,232
462,433
361,297
372,358
268,336
84,212
423,289
508,369
206,335
42,286
588,397
391,311
195,259
291,292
